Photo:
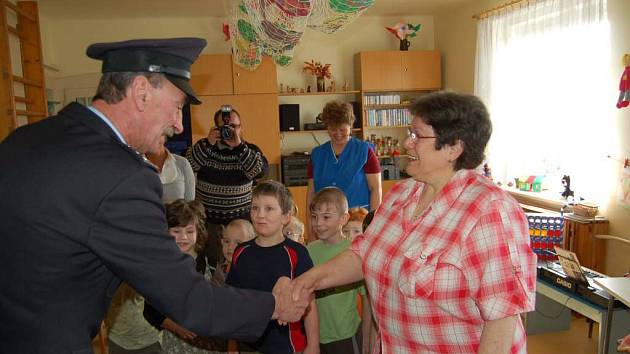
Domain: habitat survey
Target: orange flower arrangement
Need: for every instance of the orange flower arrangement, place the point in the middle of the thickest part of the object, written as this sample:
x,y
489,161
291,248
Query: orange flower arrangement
x,y
317,69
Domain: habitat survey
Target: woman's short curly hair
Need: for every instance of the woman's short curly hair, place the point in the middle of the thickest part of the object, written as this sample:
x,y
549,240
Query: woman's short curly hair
x,y
180,213
454,117
337,113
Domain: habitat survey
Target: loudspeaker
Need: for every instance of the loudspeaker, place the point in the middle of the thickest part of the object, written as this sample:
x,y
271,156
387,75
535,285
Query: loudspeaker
x,y
358,117
289,117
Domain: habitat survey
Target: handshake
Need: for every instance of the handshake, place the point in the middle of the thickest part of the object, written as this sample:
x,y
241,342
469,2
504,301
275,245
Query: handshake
x,y
292,299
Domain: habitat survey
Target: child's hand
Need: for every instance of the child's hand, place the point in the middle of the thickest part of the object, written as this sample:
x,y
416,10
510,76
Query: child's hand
x,y
178,330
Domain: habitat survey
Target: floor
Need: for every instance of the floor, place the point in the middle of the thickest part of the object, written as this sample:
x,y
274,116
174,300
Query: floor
x,y
574,340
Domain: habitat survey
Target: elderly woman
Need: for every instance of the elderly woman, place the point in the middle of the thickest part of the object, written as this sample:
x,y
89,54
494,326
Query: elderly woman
x,y
446,259
345,162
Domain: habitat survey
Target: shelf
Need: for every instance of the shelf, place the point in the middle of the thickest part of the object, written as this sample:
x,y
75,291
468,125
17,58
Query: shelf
x,y
283,94
387,127
313,131
386,106
402,156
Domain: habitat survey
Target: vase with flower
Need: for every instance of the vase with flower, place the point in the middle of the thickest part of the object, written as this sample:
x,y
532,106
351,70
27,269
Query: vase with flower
x,y
404,31
321,73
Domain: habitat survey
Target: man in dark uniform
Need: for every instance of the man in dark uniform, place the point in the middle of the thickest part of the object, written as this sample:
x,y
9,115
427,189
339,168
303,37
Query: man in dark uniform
x,y
81,211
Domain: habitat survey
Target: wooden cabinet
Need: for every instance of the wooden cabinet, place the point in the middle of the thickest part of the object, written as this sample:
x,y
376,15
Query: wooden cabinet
x,y
217,74
579,237
262,80
259,119
212,75
380,70
400,70
421,70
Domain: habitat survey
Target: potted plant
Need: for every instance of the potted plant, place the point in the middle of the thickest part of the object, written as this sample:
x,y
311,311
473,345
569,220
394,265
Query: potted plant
x,y
321,72
402,31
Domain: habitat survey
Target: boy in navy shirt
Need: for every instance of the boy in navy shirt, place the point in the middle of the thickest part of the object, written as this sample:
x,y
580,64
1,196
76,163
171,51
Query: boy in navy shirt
x,y
257,264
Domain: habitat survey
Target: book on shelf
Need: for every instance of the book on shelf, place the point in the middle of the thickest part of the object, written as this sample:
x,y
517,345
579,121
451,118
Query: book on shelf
x,y
381,99
388,117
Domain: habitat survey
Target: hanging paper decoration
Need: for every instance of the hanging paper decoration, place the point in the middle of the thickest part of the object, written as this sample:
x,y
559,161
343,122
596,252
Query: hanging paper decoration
x,y
275,27
329,16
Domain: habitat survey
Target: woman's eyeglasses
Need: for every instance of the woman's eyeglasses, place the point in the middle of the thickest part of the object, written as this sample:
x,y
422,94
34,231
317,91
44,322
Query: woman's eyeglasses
x,y
415,137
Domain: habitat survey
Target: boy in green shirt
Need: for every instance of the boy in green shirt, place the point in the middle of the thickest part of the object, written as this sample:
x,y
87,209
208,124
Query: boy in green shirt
x,y
337,307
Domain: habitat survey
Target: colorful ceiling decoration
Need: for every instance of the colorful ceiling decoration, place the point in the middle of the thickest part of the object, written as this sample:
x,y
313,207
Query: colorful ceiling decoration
x,y
275,27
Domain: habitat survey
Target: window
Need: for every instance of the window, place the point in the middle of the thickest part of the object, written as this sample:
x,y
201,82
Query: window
x,y
544,71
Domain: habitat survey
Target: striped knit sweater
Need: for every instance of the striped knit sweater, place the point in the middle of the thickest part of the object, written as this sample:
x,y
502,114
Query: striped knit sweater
x,y
225,177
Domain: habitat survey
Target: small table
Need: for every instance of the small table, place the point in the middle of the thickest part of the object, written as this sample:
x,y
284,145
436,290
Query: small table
x,y
553,305
618,288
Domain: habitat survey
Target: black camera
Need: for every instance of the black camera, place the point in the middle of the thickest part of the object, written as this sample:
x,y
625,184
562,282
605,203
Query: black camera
x,y
225,131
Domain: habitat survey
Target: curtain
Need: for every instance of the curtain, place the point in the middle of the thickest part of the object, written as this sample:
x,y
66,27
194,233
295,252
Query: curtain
x,y
544,72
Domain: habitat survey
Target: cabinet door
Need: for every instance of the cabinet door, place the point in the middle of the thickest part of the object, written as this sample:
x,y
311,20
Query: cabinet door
x,y
259,119
261,80
211,74
380,70
421,70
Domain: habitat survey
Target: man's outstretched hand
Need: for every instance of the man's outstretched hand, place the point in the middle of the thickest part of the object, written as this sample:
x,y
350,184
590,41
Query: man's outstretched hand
x,y
287,308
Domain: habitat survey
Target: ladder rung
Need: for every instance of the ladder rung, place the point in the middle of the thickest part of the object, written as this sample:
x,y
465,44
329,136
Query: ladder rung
x,y
21,112
13,30
27,81
12,6
22,99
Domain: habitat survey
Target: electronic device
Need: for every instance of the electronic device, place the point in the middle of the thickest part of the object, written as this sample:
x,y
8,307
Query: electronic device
x,y
356,109
294,169
289,117
575,278
389,168
225,130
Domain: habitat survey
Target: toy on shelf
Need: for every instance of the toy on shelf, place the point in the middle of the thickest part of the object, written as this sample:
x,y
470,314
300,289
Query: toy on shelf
x,y
624,84
566,182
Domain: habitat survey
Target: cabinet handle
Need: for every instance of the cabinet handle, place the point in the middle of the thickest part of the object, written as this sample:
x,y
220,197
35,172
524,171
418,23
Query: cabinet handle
x,y
238,74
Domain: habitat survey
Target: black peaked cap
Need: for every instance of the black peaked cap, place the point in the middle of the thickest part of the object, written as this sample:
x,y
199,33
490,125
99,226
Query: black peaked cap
x,y
170,56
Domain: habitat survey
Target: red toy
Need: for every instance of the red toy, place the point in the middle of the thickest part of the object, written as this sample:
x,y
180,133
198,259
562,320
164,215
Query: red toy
x,y
624,84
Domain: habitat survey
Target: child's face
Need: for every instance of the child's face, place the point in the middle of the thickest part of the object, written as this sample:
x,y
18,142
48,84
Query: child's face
x,y
267,216
353,229
327,221
185,236
232,237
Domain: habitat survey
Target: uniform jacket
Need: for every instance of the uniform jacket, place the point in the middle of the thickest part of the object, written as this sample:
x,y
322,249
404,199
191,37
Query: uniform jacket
x,y
80,212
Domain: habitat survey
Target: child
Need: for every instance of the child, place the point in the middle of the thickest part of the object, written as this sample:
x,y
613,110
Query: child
x,y
257,264
354,226
186,222
294,230
339,329
236,232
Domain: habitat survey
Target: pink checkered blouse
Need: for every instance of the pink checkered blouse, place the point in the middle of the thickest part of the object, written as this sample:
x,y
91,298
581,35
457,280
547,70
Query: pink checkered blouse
x,y
435,279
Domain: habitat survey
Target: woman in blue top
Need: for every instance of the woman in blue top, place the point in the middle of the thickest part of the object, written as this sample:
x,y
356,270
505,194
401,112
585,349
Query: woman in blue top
x,y
345,162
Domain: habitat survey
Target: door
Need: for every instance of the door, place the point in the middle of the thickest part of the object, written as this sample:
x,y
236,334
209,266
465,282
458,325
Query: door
x,y
421,70
261,80
211,74
380,70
